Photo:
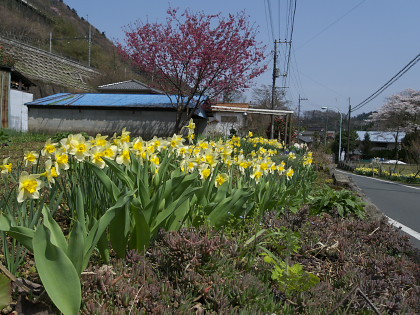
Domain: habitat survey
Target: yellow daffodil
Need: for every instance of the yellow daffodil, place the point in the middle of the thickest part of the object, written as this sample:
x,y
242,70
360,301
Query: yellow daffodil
x,y
257,175
6,167
205,172
29,186
81,151
124,157
281,167
203,144
51,172
176,141
125,136
210,158
191,125
155,160
110,151
49,148
99,141
96,155
72,141
138,144
62,160
191,137
265,166
221,178
290,173
307,161
30,157
188,165
182,151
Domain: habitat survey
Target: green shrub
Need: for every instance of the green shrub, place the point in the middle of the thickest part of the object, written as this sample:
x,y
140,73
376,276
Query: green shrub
x,y
344,202
4,137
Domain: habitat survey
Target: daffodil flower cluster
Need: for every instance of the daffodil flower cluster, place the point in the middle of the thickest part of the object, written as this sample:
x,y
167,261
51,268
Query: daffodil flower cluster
x,y
202,157
369,171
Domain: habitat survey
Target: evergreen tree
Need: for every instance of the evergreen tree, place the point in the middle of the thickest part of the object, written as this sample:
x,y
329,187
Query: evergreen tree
x,y
366,146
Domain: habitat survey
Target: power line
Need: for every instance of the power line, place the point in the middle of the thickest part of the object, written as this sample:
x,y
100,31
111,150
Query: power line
x,y
296,69
333,23
267,14
291,38
270,17
323,85
388,83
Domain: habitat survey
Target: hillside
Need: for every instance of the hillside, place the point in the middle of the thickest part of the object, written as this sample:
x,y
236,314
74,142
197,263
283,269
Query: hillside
x,y
33,22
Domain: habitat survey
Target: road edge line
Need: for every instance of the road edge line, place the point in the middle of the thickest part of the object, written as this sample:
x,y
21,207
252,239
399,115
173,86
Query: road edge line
x,y
404,228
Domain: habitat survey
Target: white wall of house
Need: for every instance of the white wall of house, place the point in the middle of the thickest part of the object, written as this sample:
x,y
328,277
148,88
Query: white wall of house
x,y
18,112
223,122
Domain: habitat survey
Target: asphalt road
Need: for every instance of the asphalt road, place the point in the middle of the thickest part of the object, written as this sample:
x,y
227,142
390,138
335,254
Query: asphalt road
x,y
398,202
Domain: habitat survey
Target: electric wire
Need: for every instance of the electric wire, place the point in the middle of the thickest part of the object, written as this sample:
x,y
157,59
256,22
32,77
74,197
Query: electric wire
x,y
388,83
267,18
288,41
332,24
279,17
296,71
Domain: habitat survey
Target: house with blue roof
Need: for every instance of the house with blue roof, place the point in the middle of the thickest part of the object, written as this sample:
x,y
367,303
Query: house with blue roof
x,y
146,115
381,140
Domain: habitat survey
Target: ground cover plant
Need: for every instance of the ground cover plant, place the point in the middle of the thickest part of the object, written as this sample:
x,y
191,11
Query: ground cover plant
x,y
181,225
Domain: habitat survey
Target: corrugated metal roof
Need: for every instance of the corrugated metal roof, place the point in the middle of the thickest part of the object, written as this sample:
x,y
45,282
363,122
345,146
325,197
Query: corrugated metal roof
x,y
130,85
233,105
381,136
150,101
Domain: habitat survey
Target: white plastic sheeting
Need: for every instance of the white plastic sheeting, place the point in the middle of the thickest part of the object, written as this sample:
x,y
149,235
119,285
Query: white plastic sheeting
x,y
18,112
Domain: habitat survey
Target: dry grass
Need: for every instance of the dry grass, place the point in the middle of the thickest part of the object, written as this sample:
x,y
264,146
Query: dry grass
x,y
18,143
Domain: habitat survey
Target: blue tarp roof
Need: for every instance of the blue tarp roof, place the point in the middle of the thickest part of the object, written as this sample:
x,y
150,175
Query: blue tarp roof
x,y
150,101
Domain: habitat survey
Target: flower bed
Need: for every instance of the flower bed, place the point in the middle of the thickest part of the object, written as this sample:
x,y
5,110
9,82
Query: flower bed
x,y
413,178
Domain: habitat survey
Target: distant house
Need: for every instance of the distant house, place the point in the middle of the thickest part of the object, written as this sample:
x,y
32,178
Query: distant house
x,y
381,140
227,116
146,115
13,95
128,87
311,135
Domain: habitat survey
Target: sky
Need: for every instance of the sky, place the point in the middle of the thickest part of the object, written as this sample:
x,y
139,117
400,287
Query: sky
x,y
342,50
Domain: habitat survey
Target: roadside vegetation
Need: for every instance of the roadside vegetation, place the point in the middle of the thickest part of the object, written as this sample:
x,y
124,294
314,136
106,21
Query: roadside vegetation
x,y
408,174
185,225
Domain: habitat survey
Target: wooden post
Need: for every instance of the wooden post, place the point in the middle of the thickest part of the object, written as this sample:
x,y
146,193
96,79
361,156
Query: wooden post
x,y
290,128
285,130
4,97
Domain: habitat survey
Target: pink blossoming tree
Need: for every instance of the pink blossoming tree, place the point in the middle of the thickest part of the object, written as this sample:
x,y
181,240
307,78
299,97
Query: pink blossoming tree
x,y
400,113
195,57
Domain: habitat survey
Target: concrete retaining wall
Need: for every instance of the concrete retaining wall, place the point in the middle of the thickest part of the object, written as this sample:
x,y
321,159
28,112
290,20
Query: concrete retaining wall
x,y
38,64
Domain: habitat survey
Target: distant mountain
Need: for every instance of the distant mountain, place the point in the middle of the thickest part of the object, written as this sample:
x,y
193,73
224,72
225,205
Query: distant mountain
x,y
51,24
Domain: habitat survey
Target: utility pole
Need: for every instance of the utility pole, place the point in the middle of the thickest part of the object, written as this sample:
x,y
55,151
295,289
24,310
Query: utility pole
x,y
273,88
298,117
348,134
90,41
326,129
